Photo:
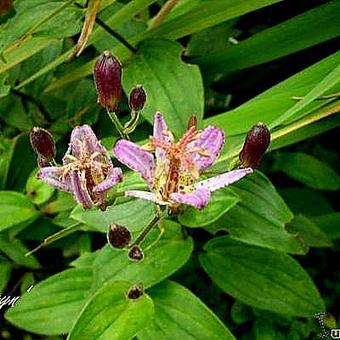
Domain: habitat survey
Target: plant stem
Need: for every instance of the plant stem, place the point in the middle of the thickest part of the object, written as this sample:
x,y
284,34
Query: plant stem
x,y
147,229
132,123
162,14
60,234
117,124
328,96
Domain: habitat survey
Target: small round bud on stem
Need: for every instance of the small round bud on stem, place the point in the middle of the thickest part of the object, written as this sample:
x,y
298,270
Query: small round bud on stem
x,y
255,146
136,253
118,236
43,144
107,75
137,98
135,292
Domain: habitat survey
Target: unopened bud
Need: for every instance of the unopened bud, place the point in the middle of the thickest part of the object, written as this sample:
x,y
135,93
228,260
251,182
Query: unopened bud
x,y
137,98
192,122
118,236
43,144
136,253
42,163
107,75
135,292
255,145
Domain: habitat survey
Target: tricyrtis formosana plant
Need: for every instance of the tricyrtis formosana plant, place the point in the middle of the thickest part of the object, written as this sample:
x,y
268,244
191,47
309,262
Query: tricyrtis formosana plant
x,y
133,200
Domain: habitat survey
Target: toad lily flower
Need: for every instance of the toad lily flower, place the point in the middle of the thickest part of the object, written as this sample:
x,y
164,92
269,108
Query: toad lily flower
x,y
172,172
87,170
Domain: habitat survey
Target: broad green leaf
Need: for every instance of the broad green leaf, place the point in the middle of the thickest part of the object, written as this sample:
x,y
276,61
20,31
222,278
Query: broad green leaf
x,y
260,217
16,251
51,306
167,255
5,272
307,170
330,224
6,152
306,201
295,34
205,14
110,314
134,214
261,277
172,87
4,88
37,190
179,314
221,201
15,208
267,106
309,231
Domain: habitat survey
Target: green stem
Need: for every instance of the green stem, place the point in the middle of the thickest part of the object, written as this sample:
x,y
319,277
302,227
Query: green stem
x,y
60,234
117,124
132,123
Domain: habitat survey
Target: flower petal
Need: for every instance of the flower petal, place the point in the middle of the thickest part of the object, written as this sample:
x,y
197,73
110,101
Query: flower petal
x,y
223,180
80,191
84,143
211,141
198,198
113,178
145,195
52,176
135,158
160,133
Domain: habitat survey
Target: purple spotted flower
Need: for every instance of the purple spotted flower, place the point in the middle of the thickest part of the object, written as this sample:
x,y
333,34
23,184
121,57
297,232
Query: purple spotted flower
x,y
173,170
87,170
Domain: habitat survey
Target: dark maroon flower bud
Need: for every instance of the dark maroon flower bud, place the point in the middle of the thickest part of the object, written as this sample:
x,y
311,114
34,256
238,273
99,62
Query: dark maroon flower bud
x,y
107,75
43,144
137,98
118,236
135,292
255,145
42,163
192,122
136,253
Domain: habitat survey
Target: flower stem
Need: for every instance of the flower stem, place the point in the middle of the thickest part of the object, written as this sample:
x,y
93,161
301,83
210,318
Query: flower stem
x,y
148,228
132,123
162,14
117,124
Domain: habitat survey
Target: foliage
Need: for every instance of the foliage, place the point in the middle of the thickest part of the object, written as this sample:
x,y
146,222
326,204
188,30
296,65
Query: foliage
x,y
256,262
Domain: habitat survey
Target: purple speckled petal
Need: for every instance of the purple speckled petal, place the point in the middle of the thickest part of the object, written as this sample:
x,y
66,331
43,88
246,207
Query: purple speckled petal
x,y
112,179
159,127
223,180
198,198
83,143
211,140
80,191
52,176
135,158
145,195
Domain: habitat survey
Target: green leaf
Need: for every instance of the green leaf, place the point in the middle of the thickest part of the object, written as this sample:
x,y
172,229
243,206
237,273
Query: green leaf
x,y
309,231
179,314
110,314
295,34
307,170
221,201
16,251
172,87
15,208
6,152
5,273
52,305
260,216
329,223
205,14
37,190
134,214
167,255
261,278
